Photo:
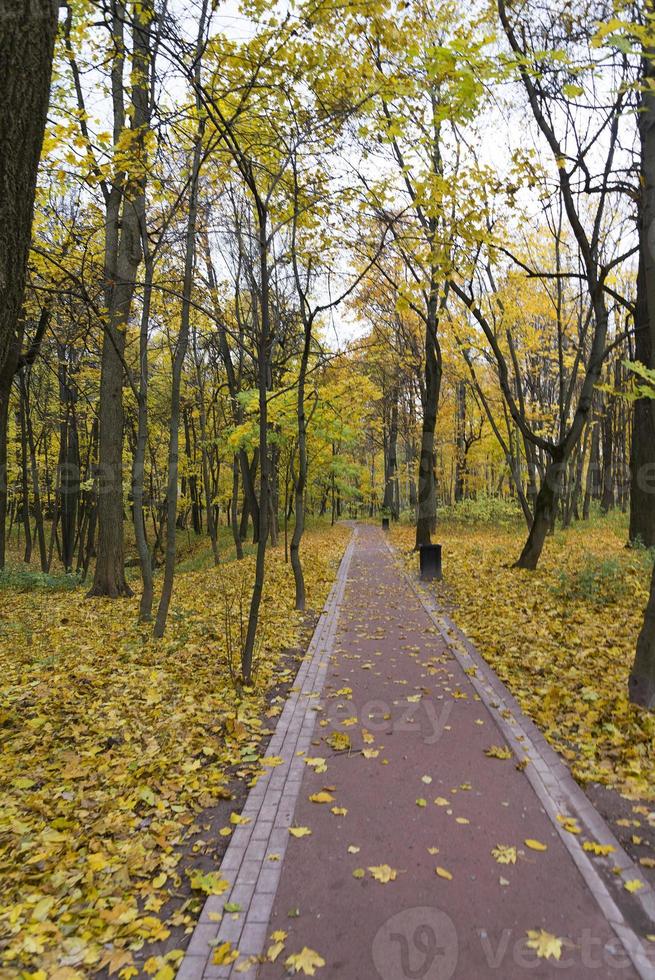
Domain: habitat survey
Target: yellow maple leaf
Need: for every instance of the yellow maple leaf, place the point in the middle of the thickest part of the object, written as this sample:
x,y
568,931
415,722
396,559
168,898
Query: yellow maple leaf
x,y
299,831
339,741
544,943
535,845
306,961
634,885
443,873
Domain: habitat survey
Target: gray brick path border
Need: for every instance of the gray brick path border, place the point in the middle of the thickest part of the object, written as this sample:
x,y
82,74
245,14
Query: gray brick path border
x,y
557,791
269,808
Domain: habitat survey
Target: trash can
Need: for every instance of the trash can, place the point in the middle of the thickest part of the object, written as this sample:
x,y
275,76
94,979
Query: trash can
x,y
385,523
430,562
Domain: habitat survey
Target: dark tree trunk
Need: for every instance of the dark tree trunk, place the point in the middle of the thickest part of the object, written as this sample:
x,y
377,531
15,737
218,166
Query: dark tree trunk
x,y
178,360
641,685
426,469
25,487
238,544
27,39
263,371
123,254
36,490
607,498
642,459
6,376
69,465
460,441
391,495
545,511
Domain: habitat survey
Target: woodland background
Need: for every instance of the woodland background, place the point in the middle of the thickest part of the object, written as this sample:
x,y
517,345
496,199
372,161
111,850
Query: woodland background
x,y
264,270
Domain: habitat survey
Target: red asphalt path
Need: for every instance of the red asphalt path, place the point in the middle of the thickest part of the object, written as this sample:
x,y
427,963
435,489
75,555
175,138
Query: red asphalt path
x,y
395,689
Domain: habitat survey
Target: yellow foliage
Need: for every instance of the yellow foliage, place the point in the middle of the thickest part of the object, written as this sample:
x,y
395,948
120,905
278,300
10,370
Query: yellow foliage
x,y
113,742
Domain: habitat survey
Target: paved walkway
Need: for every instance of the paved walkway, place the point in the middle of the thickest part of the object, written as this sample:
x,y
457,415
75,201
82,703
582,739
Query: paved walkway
x,y
411,790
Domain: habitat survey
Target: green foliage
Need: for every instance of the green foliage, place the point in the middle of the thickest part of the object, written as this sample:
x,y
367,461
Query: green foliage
x,y
28,580
484,510
598,582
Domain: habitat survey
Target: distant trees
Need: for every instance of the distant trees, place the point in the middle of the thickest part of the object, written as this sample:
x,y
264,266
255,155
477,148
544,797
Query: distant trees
x,y
207,227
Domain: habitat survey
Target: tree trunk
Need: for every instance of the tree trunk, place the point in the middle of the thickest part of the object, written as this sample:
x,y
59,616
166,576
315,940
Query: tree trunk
x,y
123,254
641,685
545,511
36,490
27,42
642,458
426,469
460,444
238,544
263,359
206,482
391,501
178,361
138,466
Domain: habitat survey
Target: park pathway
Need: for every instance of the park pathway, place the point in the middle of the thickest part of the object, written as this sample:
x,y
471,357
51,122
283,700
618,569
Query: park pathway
x,y
397,878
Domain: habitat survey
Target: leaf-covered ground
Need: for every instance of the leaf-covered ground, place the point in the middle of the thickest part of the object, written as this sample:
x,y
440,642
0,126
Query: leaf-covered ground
x,y
112,744
562,638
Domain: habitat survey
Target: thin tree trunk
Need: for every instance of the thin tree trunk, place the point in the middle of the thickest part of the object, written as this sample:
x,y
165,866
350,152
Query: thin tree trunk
x,y
641,685
36,492
263,357
138,468
238,544
178,361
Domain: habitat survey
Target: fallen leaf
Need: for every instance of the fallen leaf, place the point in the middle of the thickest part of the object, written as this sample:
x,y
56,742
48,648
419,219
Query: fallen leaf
x,y
545,944
306,961
504,854
599,849
224,954
383,873
322,797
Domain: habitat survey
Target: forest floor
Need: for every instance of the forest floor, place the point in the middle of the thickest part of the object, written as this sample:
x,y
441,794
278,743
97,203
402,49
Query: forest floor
x,y
400,836
125,760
